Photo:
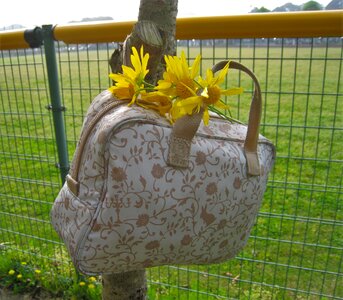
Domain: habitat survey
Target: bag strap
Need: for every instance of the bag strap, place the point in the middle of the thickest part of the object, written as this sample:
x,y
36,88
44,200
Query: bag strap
x,y
186,127
72,177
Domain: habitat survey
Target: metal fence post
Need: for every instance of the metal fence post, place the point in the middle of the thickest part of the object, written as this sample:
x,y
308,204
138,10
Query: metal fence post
x,y
56,104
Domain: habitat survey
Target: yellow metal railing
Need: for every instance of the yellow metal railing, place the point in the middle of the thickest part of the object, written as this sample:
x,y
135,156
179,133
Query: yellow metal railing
x,y
295,24
13,40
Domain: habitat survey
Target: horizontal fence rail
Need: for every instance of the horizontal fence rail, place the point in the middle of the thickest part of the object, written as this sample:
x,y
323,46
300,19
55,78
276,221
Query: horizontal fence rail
x,y
296,249
264,25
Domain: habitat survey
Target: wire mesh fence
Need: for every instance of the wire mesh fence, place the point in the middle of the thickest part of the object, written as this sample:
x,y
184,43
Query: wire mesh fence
x,y
295,251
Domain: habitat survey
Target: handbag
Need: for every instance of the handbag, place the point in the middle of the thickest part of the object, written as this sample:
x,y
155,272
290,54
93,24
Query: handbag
x,y
143,192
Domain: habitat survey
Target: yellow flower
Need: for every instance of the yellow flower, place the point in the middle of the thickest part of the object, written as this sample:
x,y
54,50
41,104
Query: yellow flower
x,y
38,271
82,283
23,263
179,93
19,276
212,92
179,83
92,279
178,79
91,286
188,106
11,272
156,101
131,82
210,96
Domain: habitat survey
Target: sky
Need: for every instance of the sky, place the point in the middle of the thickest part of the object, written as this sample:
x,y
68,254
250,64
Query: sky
x,y
32,13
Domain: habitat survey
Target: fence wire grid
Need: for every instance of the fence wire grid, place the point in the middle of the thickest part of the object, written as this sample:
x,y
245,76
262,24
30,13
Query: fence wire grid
x,y
295,250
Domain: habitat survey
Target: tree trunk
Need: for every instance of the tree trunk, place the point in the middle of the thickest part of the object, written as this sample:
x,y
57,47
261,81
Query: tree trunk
x,y
163,13
128,285
155,30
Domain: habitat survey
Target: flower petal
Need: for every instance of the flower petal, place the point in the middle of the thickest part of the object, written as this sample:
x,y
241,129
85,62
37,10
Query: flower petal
x,y
183,65
121,92
196,66
204,93
222,74
221,105
196,100
129,72
163,85
206,116
232,91
209,76
135,61
145,60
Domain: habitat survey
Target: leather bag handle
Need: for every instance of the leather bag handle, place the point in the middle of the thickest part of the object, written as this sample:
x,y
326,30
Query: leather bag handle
x,y
186,127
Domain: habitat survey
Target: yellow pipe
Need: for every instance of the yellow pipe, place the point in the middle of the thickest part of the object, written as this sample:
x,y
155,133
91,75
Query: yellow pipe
x,y
93,33
295,24
282,25
13,39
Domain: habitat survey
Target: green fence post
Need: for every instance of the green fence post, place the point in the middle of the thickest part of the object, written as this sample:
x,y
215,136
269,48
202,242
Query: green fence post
x,y
56,104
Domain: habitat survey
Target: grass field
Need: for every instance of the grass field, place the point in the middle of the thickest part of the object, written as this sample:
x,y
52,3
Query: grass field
x,y
295,251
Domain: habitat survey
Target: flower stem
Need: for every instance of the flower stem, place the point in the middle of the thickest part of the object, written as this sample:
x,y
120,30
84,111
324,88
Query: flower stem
x,y
148,85
224,116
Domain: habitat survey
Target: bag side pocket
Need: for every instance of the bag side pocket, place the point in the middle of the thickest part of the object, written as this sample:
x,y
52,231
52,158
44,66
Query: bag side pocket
x,y
70,218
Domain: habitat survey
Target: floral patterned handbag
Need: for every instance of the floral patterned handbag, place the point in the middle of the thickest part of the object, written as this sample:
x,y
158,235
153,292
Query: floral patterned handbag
x,y
143,192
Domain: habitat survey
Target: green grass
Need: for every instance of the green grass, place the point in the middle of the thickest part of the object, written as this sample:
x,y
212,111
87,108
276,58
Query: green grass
x,y
24,274
295,251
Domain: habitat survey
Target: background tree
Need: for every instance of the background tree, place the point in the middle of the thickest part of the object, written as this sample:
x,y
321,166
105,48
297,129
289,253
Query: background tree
x,y
311,5
155,30
260,10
